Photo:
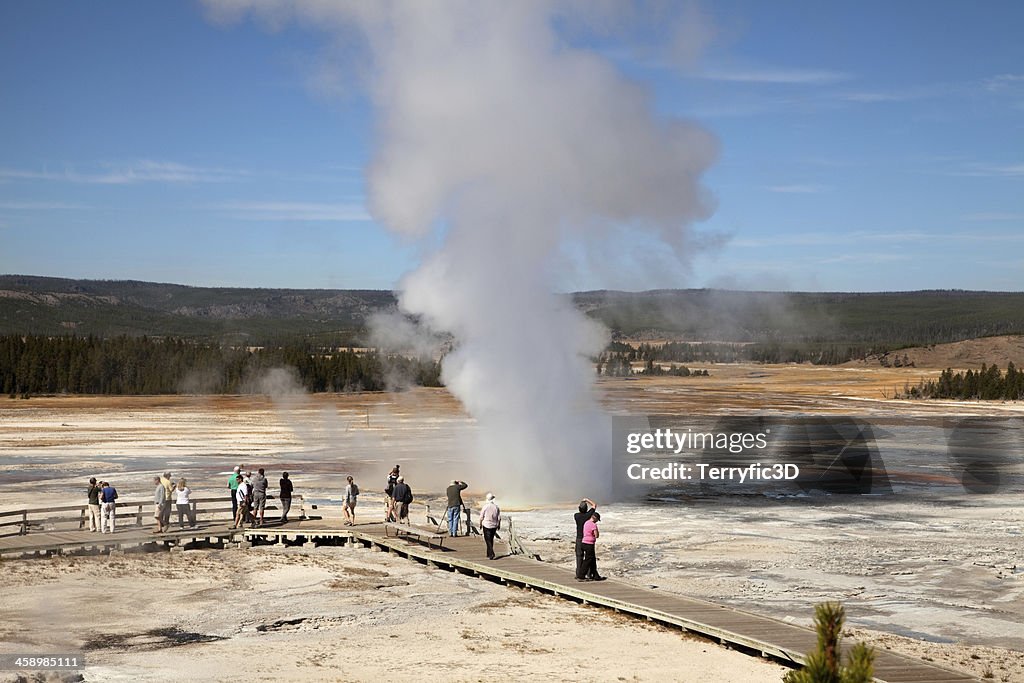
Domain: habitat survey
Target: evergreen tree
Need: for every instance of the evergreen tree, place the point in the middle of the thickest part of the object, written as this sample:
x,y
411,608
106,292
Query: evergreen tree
x,y
824,664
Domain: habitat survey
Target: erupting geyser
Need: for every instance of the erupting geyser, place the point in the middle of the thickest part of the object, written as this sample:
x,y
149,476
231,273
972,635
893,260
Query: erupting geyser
x,y
501,140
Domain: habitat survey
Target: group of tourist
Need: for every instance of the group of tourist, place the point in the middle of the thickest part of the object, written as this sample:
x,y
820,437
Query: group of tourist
x,y
397,497
249,496
165,492
249,499
101,506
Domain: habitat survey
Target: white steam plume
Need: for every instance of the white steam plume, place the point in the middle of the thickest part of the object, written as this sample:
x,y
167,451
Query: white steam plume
x,y
499,135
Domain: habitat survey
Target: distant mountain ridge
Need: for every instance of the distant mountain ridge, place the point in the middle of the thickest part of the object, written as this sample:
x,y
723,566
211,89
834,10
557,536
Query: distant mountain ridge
x,y
52,306
46,305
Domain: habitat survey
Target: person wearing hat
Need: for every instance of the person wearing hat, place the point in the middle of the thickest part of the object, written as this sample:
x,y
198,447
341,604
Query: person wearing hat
x,y
389,493
403,496
454,493
233,487
490,522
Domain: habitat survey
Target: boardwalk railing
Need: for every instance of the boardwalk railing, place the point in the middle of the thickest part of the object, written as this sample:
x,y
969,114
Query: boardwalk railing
x,y
137,513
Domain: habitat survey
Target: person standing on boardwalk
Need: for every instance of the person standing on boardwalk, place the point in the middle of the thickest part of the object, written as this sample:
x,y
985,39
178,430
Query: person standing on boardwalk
x,y
454,493
159,500
587,508
233,480
490,522
351,493
285,497
108,496
402,496
590,535
259,496
389,494
168,485
185,505
94,505
244,497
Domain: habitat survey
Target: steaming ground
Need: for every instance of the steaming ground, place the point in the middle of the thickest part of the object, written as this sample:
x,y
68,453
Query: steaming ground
x,y
930,571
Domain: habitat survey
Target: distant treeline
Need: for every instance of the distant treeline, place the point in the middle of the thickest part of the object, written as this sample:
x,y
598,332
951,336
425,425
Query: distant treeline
x,y
619,365
141,365
819,319
725,352
987,384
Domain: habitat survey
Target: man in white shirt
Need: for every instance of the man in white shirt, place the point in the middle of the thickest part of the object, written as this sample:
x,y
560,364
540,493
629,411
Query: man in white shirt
x,y
490,522
244,497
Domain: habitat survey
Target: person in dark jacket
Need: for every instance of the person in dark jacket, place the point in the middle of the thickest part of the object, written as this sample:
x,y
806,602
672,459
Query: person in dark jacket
x,y
402,496
286,496
389,493
454,493
94,504
108,497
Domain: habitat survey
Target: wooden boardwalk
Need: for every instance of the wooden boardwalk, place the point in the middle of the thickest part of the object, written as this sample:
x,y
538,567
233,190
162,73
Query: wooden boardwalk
x,y
730,626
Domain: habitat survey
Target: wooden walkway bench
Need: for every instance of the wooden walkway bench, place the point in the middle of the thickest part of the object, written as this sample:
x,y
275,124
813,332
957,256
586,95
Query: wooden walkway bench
x,y
429,536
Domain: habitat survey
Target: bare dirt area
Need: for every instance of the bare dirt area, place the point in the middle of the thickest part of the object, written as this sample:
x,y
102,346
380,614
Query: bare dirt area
x,y
331,614
929,570
969,354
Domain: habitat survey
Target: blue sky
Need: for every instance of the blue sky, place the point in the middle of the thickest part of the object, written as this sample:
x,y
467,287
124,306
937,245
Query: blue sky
x,y
864,146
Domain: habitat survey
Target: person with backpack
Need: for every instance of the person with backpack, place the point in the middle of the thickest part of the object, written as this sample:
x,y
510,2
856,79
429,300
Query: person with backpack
x,y
389,491
258,484
351,493
402,497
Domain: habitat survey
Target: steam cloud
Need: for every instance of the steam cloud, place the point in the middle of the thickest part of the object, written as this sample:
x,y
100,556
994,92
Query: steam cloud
x,y
500,139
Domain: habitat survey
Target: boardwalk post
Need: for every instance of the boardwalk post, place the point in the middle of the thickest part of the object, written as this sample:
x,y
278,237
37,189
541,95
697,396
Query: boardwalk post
x,y
138,516
24,522
81,519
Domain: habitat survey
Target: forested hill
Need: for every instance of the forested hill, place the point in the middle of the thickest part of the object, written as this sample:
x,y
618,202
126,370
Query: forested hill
x,y
108,308
54,306
891,319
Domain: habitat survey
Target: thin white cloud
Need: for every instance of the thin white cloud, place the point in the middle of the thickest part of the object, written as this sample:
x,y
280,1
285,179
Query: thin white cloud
x,y
826,239
873,97
1004,82
295,211
868,257
144,171
797,189
775,75
989,170
984,216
